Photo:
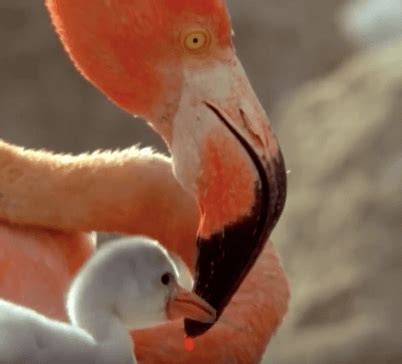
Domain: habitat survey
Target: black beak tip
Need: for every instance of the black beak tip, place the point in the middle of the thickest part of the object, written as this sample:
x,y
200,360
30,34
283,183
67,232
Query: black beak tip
x,y
195,328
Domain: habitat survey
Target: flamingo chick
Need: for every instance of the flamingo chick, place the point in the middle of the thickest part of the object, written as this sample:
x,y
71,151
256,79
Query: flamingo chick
x,y
129,284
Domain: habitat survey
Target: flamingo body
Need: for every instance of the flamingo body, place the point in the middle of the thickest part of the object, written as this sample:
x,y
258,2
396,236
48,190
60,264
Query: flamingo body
x,y
37,266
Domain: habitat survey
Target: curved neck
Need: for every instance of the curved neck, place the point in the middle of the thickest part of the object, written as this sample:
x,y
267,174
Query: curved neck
x,y
103,191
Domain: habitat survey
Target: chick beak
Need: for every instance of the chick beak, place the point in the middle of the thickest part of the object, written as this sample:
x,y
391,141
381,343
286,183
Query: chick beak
x,y
186,304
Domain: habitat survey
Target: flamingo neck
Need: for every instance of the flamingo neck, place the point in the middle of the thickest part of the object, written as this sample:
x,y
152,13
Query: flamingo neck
x,y
63,192
103,191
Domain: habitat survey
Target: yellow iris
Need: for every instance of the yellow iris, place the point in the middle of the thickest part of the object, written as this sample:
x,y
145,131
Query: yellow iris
x,y
196,41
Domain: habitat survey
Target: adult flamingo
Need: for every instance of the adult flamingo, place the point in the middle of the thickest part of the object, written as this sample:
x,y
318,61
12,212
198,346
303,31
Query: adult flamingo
x,y
173,63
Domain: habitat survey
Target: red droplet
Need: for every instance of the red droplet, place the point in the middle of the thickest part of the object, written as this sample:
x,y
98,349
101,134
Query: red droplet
x,y
189,343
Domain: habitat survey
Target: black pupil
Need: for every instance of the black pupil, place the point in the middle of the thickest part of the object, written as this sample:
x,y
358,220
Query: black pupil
x,y
195,40
165,279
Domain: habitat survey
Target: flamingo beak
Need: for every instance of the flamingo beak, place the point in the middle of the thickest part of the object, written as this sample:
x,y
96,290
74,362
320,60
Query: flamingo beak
x,y
184,303
226,154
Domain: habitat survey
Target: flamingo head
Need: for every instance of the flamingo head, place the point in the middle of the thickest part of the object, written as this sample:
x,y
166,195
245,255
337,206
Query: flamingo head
x,y
173,63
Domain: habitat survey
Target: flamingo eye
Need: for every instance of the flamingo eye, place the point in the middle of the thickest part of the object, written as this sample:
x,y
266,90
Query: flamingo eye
x,y
166,278
196,41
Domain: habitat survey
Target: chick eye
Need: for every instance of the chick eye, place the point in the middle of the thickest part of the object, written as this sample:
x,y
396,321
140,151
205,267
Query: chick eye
x,y
166,278
196,41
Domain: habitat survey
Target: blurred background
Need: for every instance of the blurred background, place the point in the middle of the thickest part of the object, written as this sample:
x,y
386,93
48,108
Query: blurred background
x,y
329,73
